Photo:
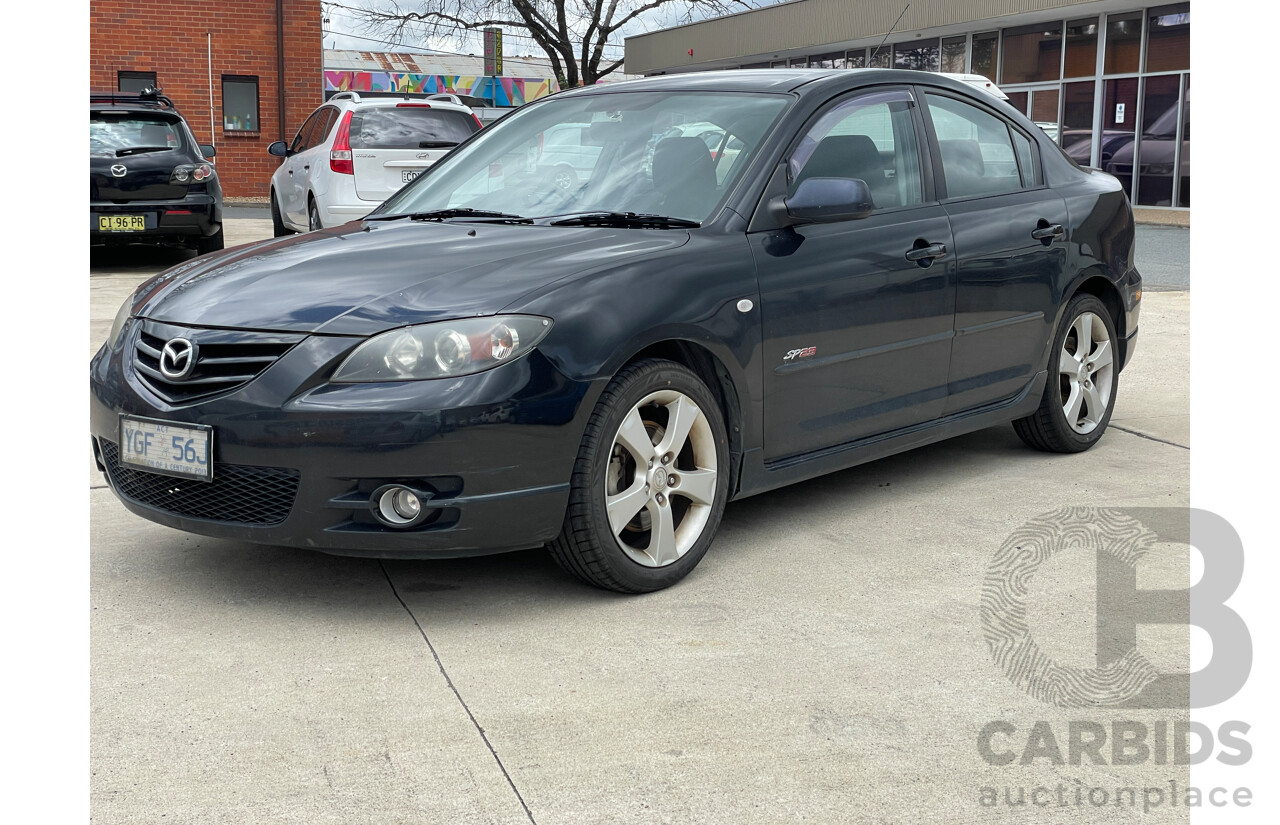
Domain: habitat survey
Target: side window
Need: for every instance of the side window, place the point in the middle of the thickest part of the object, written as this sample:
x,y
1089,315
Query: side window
x,y
871,137
1026,159
304,140
977,152
324,126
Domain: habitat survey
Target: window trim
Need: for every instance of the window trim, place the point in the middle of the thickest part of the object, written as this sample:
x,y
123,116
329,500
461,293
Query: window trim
x,y
257,103
935,152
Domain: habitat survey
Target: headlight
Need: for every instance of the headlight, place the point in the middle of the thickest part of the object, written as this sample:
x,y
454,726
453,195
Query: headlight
x,y
191,173
444,349
117,326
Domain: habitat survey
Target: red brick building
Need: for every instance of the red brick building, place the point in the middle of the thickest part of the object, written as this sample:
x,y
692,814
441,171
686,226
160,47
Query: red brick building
x,y
244,73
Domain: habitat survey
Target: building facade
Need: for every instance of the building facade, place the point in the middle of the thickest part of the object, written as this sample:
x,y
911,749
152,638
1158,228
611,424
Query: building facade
x,y
243,73
525,79
1109,81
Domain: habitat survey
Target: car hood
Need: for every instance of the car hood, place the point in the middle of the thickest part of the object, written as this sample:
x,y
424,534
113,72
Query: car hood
x,y
364,278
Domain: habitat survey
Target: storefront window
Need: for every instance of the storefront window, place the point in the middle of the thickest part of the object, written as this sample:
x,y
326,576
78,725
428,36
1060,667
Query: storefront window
x,y
1018,100
239,103
881,58
1082,48
1032,53
953,54
831,60
1076,137
1124,42
1119,124
921,55
799,62
986,53
1169,38
856,59
1158,143
1044,111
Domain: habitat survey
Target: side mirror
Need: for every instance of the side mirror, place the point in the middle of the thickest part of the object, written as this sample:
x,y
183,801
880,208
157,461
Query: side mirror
x,y
280,149
207,150
824,200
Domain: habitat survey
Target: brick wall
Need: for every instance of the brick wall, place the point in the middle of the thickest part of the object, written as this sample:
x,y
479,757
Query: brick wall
x,y
170,40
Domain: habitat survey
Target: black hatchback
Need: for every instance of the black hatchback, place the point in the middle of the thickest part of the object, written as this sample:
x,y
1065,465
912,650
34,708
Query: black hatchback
x,y
149,181
758,277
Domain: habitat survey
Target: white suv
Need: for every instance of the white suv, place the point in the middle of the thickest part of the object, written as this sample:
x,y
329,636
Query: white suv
x,y
353,153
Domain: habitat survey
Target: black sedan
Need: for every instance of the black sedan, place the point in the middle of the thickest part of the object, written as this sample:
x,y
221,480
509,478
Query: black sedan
x,y
841,266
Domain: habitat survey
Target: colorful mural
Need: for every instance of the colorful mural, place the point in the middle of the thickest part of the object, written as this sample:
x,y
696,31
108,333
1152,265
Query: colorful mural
x,y
503,91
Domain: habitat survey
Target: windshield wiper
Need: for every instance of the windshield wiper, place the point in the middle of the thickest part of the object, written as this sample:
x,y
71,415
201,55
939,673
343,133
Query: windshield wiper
x,y
445,214
626,220
138,150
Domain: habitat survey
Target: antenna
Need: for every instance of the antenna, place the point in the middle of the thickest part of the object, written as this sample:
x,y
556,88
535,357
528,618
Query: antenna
x,y
891,28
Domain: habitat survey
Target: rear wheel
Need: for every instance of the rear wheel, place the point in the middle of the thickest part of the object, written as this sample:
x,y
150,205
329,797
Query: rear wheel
x,y
277,223
650,483
1083,376
212,243
313,215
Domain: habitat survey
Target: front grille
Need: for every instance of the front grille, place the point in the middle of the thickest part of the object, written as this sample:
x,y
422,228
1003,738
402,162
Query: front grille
x,y
225,360
237,495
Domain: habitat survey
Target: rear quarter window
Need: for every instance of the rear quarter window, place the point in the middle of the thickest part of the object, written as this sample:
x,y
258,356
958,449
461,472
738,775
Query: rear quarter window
x,y
410,128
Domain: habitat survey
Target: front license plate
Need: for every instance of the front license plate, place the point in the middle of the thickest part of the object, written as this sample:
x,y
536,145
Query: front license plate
x,y
122,223
407,175
164,447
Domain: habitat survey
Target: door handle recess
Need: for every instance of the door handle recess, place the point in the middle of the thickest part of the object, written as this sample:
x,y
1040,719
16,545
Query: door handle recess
x,y
1046,232
927,253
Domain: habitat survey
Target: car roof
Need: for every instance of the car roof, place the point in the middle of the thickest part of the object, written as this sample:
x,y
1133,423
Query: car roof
x,y
800,81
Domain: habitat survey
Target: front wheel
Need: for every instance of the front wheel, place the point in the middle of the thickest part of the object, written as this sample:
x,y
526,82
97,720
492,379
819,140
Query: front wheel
x,y
1083,376
650,483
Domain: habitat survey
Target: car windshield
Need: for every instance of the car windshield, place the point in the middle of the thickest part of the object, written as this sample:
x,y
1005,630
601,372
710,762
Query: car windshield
x,y
671,154
111,133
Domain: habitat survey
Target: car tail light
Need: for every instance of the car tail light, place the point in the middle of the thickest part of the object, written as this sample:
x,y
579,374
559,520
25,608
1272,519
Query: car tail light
x,y
340,154
480,125
191,173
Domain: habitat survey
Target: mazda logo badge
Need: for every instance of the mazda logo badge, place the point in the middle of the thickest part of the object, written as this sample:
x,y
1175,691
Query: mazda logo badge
x,y
178,359
118,170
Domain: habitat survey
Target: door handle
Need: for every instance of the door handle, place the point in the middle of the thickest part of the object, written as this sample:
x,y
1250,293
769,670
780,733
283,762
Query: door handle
x,y
927,253
1046,232
307,168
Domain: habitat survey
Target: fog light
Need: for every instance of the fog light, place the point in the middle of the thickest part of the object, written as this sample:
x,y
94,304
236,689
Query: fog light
x,y
397,506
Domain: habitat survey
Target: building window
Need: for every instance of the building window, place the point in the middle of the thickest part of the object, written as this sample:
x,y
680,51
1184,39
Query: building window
x,y
1169,38
921,55
953,54
134,82
239,103
799,62
831,60
881,58
986,54
1082,48
1032,53
856,59
1124,42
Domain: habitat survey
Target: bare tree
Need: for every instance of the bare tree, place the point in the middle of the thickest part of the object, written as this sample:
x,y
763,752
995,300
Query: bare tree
x,y
573,33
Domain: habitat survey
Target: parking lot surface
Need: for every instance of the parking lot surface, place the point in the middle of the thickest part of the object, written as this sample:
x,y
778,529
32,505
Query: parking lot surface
x,y
825,663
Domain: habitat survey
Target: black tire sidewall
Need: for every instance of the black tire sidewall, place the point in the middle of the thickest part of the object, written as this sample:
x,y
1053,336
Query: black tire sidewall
x,y
1052,393
651,377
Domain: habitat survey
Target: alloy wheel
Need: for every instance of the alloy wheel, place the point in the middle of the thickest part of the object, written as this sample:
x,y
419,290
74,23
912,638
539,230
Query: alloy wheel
x,y
661,481
1085,366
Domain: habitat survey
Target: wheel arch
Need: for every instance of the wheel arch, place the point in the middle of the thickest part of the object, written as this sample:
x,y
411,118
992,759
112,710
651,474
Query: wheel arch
x,y
1104,289
713,372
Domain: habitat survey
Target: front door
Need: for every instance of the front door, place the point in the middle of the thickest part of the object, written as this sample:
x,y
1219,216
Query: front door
x,y
857,335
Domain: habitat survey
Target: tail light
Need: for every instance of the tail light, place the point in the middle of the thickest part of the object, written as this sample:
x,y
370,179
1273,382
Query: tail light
x,y
340,154
191,173
479,125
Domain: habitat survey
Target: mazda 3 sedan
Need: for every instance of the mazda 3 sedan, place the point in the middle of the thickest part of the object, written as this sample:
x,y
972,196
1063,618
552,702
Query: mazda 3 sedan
x,y
492,361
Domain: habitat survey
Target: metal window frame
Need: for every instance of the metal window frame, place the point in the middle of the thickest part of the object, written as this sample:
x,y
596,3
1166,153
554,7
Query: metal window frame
x,y
257,100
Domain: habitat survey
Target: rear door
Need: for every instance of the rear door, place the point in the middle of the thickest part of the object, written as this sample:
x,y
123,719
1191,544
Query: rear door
x,y
1010,244
303,154
391,145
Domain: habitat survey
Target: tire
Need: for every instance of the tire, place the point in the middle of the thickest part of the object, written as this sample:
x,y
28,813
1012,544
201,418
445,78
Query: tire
x,y
212,243
1081,391
564,178
278,228
613,473
313,215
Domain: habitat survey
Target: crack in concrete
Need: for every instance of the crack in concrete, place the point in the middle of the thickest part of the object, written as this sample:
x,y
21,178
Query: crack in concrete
x,y
1149,437
461,701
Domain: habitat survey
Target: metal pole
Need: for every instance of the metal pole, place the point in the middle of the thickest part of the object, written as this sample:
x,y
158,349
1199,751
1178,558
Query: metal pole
x,y
212,133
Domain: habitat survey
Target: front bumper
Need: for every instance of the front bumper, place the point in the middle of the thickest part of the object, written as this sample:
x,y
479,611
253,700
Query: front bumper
x,y
197,215
494,451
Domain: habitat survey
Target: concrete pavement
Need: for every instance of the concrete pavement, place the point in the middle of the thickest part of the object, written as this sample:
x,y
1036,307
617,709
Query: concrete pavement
x,y
825,663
